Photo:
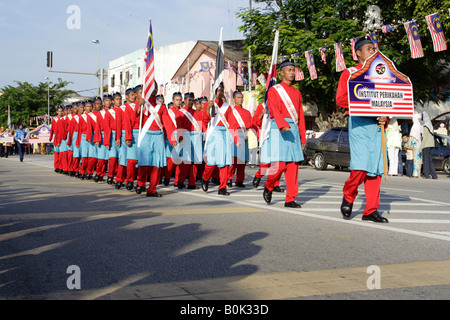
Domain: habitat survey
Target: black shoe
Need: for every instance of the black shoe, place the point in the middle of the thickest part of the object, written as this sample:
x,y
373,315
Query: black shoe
x,y
71,173
119,184
267,195
166,181
96,178
100,178
375,217
192,187
256,182
346,208
88,177
82,176
292,204
277,189
110,180
139,190
223,192
154,194
180,185
205,185
129,185
240,184
229,183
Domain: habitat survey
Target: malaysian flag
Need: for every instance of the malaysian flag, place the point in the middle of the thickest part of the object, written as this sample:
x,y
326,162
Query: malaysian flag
x,y
340,62
353,41
149,82
322,54
437,34
299,74
414,40
311,65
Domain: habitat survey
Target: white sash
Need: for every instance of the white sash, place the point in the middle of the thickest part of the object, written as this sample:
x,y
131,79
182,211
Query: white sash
x,y
264,132
287,102
113,113
154,116
213,124
93,116
70,116
172,116
192,120
84,117
103,113
238,117
77,118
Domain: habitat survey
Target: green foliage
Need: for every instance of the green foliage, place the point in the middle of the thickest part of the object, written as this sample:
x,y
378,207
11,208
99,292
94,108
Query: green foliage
x,y
309,25
27,101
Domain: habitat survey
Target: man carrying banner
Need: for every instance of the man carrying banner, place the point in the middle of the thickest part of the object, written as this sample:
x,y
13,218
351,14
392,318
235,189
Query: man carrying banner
x,y
287,135
366,157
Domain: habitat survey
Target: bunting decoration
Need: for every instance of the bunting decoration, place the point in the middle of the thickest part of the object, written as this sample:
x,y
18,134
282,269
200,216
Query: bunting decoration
x,y
299,74
354,56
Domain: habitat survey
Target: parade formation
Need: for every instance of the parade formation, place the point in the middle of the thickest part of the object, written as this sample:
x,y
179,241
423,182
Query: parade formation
x,y
140,143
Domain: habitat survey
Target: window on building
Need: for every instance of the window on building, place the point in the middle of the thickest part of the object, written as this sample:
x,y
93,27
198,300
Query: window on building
x,y
113,82
121,78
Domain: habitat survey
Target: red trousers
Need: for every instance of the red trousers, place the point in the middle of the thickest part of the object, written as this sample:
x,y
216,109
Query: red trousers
x,y
168,171
239,169
84,165
263,167
144,172
371,189
75,165
100,169
223,175
69,160
63,156
121,173
92,162
56,160
131,170
290,170
112,167
187,170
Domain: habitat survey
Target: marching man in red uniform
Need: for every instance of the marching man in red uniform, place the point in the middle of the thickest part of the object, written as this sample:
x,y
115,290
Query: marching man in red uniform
x,y
242,122
366,158
287,135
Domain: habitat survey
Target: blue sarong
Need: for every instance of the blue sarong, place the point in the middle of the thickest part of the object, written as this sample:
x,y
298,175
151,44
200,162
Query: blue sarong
x,y
219,148
152,151
285,146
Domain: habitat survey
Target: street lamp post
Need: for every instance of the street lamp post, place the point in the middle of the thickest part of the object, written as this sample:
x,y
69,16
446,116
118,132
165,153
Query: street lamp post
x,y
100,79
48,99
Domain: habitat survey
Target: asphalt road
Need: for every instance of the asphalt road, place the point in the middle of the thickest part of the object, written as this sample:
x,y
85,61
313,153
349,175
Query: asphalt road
x,y
58,232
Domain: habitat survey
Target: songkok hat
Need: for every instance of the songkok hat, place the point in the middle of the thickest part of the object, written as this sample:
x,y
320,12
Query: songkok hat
x,y
189,95
107,96
97,99
236,92
129,90
362,41
177,94
286,63
139,87
116,94
159,96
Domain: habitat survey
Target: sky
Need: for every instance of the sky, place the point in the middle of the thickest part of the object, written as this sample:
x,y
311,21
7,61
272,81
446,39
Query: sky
x,y
30,28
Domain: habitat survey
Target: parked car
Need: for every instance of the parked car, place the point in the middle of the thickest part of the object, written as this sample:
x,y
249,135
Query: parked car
x,y
331,148
441,153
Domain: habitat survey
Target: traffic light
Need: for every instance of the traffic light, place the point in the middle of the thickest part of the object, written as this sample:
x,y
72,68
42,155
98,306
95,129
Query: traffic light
x,y
49,59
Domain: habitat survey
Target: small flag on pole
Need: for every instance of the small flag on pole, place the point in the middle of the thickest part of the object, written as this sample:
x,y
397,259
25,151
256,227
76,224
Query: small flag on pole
x,y
374,38
387,28
437,33
149,82
414,40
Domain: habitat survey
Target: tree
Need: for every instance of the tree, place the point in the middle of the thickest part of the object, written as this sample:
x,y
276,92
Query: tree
x,y
309,25
27,101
